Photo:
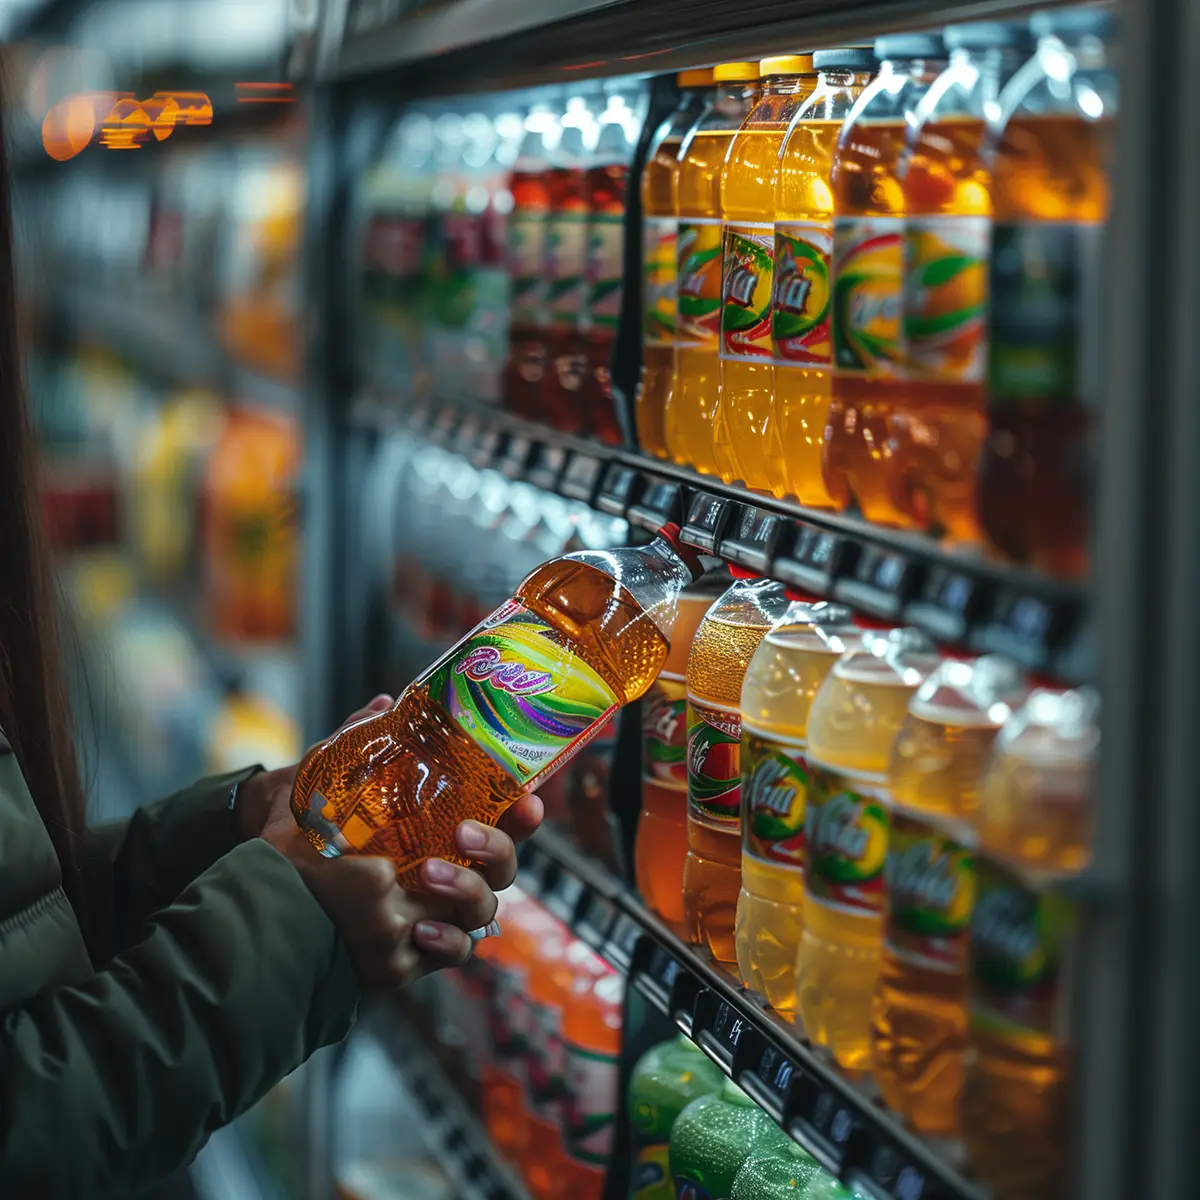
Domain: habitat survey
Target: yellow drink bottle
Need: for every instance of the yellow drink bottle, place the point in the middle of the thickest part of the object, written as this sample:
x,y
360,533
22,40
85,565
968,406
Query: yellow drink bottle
x,y
660,293
745,435
688,424
721,651
920,1021
788,667
853,721
802,299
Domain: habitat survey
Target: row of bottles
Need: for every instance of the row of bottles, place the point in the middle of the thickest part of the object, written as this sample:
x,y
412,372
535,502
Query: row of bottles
x,y
878,840
870,278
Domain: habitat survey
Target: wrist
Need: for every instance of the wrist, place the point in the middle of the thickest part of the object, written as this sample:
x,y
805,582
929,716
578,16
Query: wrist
x,y
252,803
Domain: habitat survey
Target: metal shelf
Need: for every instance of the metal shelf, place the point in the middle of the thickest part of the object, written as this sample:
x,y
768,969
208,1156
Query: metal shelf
x,y
959,598
834,1119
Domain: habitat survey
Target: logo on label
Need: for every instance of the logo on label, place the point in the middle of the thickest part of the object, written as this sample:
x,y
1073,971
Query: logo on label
x,y
847,842
659,299
800,302
714,764
749,266
485,662
867,294
698,269
664,733
775,784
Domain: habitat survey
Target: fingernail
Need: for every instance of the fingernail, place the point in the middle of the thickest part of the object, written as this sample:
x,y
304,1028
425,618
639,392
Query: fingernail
x,y
491,929
380,701
471,836
438,870
427,931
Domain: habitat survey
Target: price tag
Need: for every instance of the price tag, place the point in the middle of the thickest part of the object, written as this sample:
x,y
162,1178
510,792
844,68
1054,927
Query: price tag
x,y
752,544
1023,626
547,468
596,921
622,942
657,981
705,521
881,582
660,503
766,1075
442,429
814,559
564,897
580,480
718,1027
466,437
487,450
617,490
946,606
515,462
888,1167
834,1120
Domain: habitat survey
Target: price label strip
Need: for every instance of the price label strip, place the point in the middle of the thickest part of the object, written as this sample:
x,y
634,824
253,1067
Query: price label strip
x,y
752,544
579,482
705,521
881,582
815,558
547,467
516,458
618,489
659,504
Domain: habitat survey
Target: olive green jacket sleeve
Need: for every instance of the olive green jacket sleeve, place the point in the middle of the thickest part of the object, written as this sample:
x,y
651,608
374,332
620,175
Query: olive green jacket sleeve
x,y
109,1083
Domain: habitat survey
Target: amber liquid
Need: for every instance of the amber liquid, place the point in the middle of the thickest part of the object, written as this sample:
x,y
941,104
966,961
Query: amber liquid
x,y
856,437
1033,495
526,362
398,784
937,428
658,361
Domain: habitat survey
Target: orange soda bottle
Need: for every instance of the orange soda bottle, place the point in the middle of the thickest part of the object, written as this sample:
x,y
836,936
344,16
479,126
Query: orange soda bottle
x,y
802,298
788,667
660,296
868,228
920,1022
1053,147
1035,834
502,710
693,397
937,425
853,721
746,441
721,651
592,1020
661,846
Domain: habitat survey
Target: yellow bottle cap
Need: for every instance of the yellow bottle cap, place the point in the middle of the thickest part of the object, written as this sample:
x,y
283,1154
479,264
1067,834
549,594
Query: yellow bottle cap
x,y
701,77
786,64
732,72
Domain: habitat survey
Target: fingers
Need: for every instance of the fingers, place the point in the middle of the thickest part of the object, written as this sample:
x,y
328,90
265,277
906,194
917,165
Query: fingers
x,y
491,850
473,903
444,945
522,819
379,704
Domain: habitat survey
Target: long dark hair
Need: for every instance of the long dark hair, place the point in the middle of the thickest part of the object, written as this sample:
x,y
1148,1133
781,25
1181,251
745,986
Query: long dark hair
x,y
35,711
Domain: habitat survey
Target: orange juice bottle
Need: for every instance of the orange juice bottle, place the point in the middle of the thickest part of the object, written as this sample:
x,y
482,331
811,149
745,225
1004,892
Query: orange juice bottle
x,y
937,425
660,298
693,397
868,229
1053,147
746,442
801,300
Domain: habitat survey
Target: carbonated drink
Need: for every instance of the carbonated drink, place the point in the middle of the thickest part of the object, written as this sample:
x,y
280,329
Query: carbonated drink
x,y
1053,142
698,256
788,667
660,293
721,651
1035,823
851,726
868,230
746,441
666,1079
920,1023
500,711
802,297
781,1171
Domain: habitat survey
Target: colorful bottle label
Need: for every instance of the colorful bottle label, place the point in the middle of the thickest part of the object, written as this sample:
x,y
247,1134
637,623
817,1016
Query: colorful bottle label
x,y
545,1084
520,694
659,297
775,784
1021,940
589,1110
945,297
846,828
930,890
652,1173
868,285
747,273
566,265
714,773
1045,294
526,251
800,301
606,252
664,732
698,270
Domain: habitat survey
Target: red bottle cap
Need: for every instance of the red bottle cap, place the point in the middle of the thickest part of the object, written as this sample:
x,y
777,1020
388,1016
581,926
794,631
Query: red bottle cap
x,y
864,622
741,572
670,533
795,593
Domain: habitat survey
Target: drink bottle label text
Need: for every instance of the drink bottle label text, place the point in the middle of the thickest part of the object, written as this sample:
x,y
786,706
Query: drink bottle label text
x,y
714,772
867,295
659,296
846,829
747,271
698,270
775,787
589,1107
664,733
800,301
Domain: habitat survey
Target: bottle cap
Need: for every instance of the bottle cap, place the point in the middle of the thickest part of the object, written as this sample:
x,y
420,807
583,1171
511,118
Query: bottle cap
x,y
701,77
670,534
742,573
800,595
786,64
988,35
1077,22
864,622
849,58
732,72
909,45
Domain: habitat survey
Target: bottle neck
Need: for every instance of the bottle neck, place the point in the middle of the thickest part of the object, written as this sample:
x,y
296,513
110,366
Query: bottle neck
x,y
1088,50
783,85
918,70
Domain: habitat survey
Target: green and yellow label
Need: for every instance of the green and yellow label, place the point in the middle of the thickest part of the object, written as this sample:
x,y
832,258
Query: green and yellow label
x,y
659,298
800,302
664,732
698,270
868,263
775,787
714,772
747,274
846,828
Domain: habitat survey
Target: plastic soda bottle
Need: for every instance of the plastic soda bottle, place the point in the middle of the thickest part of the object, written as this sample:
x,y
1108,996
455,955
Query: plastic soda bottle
x,y
1053,139
698,256
801,296
788,667
660,298
721,651
592,1020
785,1170
746,441
661,846
853,721
868,230
1035,826
937,426
665,1080
920,1021
498,712
713,1137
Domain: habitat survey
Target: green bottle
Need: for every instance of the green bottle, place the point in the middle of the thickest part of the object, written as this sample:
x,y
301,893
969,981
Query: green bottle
x,y
667,1078
823,1186
713,1138
778,1171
